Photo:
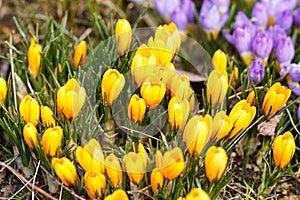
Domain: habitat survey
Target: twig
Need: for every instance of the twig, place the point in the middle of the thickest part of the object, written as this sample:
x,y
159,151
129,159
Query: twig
x,y
33,182
41,191
238,191
143,190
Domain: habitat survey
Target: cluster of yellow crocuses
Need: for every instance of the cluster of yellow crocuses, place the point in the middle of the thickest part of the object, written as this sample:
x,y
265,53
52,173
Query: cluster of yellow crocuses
x,y
154,74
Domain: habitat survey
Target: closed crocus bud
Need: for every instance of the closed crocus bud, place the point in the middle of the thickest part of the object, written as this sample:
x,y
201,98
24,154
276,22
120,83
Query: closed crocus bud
x,y
156,179
242,115
215,163
178,112
90,157
221,125
136,108
262,44
30,110
95,184
47,116
80,54
173,163
275,98
294,72
196,133
251,98
51,140
143,64
112,84
70,98
260,15
284,149
234,76
65,170
135,165
188,8
117,195
3,90
257,71
197,194
30,135
217,86
284,19
153,93
297,18
219,60
285,51
34,57
113,169
123,34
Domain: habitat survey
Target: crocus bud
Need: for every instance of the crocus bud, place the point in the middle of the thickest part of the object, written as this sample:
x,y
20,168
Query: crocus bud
x,y
51,140
262,44
136,108
260,15
135,165
277,33
65,170
166,7
251,98
156,179
112,84
173,163
275,98
257,71
217,86
47,116
90,157
234,77
215,163
284,19
283,149
285,51
123,34
34,57
294,72
117,195
219,60
242,115
196,133
30,135
113,169
3,90
70,99
30,110
143,64
178,112
221,125
153,93
80,54
197,193
95,184
188,8
297,18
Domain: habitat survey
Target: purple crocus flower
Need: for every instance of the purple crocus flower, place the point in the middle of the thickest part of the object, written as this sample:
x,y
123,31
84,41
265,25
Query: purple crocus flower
x,y
260,15
294,72
179,18
297,18
241,19
166,7
188,8
223,5
277,33
257,71
295,87
262,44
285,19
211,18
285,51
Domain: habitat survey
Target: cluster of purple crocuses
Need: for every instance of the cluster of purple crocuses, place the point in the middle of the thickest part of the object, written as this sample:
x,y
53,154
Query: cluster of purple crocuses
x,y
177,11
